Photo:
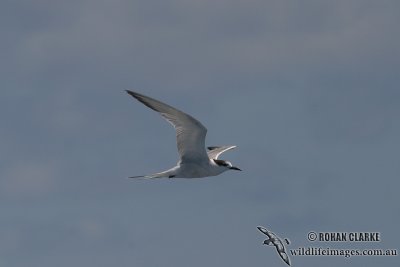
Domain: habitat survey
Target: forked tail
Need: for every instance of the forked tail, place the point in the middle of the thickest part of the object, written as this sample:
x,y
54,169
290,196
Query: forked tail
x,y
165,174
146,176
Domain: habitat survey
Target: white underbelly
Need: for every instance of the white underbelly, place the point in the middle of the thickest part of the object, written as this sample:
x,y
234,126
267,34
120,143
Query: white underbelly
x,y
198,171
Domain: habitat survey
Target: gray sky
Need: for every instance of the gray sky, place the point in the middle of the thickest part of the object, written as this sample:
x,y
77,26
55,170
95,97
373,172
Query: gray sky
x,y
309,91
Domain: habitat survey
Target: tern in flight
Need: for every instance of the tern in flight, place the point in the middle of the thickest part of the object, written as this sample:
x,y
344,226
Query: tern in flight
x,y
194,161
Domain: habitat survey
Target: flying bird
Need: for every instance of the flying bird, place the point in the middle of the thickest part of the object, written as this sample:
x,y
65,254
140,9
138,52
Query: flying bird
x,y
194,160
274,240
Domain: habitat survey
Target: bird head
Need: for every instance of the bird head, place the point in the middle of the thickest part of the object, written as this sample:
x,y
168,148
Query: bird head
x,y
226,164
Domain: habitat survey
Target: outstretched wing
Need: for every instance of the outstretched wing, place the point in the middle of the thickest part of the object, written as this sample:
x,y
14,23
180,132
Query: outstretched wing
x,y
284,257
190,133
265,231
215,151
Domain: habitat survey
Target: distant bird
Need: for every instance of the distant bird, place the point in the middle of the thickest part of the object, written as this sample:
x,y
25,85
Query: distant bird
x,y
195,161
274,240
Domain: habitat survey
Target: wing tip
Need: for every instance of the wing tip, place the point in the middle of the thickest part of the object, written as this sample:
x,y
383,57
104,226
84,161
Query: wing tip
x,y
130,92
262,229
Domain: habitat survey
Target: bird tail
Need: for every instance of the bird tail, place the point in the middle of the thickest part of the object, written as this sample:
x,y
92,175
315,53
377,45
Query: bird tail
x,y
155,175
144,177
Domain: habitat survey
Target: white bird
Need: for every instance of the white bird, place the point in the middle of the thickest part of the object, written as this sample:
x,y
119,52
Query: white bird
x,y
195,161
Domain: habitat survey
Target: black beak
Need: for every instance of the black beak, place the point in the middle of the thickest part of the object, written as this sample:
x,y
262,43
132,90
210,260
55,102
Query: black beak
x,y
235,168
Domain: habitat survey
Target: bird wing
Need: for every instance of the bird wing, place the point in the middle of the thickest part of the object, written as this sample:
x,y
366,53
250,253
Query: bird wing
x,y
190,133
265,231
215,151
284,257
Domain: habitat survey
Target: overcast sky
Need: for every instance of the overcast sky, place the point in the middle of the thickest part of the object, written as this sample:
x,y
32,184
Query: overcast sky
x,y
307,90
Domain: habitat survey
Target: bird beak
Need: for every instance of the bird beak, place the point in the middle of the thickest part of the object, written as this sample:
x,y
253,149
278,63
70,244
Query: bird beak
x,y
235,168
